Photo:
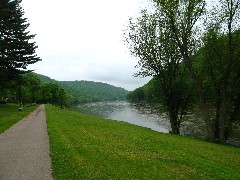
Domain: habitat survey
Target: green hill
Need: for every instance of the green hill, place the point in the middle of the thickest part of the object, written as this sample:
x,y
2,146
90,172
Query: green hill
x,y
45,79
96,91
89,91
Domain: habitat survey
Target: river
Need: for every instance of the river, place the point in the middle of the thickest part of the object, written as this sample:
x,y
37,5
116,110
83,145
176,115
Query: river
x,y
150,116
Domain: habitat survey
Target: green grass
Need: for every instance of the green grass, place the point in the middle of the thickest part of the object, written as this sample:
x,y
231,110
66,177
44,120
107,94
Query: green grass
x,y
9,115
87,147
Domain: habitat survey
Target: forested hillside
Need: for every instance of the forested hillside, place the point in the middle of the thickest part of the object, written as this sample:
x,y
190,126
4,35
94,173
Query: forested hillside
x,y
147,93
88,91
45,79
94,91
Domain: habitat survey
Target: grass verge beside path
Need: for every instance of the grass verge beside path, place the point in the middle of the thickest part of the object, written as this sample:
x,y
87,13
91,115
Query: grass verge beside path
x,y
87,147
9,115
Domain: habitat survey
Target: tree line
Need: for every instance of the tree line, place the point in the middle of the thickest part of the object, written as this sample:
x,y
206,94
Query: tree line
x,y
31,88
192,51
89,91
27,89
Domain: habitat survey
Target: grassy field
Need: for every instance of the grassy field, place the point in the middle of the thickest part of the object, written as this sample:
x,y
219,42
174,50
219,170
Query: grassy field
x,y
87,147
9,115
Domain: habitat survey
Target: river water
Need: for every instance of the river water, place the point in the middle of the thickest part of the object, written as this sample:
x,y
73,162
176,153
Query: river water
x,y
150,116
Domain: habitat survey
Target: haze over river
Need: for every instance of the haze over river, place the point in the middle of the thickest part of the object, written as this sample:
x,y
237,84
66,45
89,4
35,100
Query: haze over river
x,y
149,115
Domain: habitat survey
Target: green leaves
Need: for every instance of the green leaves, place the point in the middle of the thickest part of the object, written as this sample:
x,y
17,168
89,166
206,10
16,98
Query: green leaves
x,y
17,50
156,39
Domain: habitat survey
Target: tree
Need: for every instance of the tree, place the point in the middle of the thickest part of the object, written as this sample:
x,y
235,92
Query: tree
x,y
46,93
222,88
26,87
181,18
220,62
150,40
32,85
136,95
54,90
62,97
17,50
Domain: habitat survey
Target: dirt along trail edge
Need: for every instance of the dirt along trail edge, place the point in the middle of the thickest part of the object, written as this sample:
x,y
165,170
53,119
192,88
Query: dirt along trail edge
x,y
24,149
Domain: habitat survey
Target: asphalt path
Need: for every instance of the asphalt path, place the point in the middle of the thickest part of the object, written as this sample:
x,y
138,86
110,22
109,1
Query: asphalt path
x,y
24,149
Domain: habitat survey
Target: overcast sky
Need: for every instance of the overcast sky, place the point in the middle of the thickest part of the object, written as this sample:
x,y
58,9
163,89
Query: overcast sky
x,y
83,40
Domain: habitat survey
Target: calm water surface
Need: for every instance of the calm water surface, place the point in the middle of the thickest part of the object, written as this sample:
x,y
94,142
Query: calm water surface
x,y
151,116
138,114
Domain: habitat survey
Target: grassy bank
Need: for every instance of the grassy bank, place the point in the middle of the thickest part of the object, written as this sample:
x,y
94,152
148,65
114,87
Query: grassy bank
x,y
86,147
9,115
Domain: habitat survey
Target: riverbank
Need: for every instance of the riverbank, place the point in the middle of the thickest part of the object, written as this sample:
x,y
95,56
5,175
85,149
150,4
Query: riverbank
x,y
153,116
88,147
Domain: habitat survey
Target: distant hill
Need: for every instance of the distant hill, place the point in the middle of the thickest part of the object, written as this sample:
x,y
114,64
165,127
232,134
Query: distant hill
x,y
89,91
45,79
96,90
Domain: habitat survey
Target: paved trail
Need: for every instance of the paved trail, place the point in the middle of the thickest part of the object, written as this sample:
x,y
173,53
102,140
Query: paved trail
x,y
24,149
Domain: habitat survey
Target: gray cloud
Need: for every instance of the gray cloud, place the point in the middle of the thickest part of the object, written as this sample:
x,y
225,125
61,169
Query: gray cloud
x,y
85,42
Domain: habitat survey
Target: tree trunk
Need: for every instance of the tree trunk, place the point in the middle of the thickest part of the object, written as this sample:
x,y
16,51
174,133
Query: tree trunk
x,y
182,42
174,124
20,96
173,116
203,105
197,85
217,117
223,118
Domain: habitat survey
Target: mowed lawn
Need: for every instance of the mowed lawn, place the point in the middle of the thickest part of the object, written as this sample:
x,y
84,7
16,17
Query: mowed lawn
x,y
9,115
87,147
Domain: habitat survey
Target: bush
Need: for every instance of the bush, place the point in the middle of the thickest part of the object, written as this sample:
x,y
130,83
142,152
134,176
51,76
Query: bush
x,y
3,101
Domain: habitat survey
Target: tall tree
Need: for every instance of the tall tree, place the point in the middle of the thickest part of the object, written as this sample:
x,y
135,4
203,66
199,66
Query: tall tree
x,y
221,64
158,54
221,80
181,18
17,49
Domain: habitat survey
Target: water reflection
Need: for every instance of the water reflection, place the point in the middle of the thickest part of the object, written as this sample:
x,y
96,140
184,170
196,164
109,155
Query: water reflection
x,y
193,125
138,114
134,114
151,116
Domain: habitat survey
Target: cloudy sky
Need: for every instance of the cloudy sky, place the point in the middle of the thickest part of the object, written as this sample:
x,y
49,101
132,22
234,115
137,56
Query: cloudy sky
x,y
83,40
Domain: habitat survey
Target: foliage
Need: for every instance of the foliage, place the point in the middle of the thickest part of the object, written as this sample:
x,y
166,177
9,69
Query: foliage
x,y
181,18
88,91
87,147
17,50
31,88
54,94
137,95
9,115
218,59
221,79
150,40
217,56
62,97
95,91
45,79
28,89
35,88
